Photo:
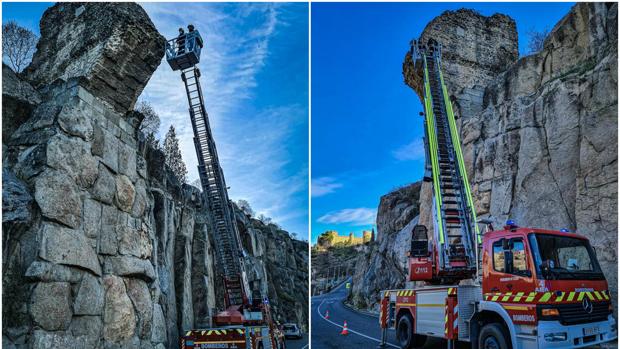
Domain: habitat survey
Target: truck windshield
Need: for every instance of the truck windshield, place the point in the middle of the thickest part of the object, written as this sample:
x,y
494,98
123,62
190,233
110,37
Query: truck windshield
x,y
569,258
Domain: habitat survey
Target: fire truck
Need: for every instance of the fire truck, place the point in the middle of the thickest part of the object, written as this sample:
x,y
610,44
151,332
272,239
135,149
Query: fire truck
x,y
246,321
514,287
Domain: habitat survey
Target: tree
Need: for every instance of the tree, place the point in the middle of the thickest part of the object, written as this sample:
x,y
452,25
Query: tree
x,y
537,39
174,160
245,207
196,183
18,45
150,123
266,220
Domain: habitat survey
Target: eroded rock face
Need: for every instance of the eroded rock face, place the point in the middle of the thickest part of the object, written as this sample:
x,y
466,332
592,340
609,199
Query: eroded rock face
x,y
113,50
281,264
384,264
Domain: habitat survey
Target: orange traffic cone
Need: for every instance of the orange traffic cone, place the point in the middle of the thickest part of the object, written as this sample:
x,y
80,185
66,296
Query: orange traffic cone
x,y
327,314
345,331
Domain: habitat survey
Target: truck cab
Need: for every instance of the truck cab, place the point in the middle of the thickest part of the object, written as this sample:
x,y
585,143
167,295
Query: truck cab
x,y
550,286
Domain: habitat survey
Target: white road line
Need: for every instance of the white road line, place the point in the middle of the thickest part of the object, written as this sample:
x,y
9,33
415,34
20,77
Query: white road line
x,y
305,346
318,310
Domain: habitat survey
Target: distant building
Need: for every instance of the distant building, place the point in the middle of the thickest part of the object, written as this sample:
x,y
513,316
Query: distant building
x,y
331,238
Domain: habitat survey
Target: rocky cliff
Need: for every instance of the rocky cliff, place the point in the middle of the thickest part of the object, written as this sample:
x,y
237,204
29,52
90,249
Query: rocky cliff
x,y
384,265
539,132
102,246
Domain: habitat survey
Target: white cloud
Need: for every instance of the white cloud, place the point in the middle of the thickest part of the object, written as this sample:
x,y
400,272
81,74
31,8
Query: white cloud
x,y
411,151
324,185
253,145
353,216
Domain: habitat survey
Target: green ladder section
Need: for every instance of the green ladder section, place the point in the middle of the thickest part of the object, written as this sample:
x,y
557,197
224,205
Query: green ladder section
x,y
455,219
459,155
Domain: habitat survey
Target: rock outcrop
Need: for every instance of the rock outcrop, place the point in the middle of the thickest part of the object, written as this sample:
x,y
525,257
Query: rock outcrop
x,y
103,247
281,265
384,265
539,132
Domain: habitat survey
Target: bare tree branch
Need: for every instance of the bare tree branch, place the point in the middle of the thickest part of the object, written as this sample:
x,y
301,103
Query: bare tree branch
x,y
536,39
18,45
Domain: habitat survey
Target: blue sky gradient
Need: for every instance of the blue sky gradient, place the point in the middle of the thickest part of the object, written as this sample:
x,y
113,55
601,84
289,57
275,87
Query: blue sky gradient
x,y
366,132
255,80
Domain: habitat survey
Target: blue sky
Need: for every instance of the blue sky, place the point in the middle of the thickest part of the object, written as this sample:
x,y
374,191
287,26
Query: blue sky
x,y
255,80
366,132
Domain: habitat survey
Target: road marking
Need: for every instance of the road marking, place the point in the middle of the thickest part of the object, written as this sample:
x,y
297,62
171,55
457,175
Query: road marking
x,y
318,310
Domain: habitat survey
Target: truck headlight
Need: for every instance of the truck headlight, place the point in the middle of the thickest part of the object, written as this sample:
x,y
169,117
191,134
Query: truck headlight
x,y
550,312
556,337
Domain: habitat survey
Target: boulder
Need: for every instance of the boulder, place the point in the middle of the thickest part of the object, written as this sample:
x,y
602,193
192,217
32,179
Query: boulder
x,y
58,198
57,340
50,305
75,119
67,246
105,186
89,299
72,155
140,296
90,326
92,218
135,242
125,193
46,272
119,319
108,243
129,266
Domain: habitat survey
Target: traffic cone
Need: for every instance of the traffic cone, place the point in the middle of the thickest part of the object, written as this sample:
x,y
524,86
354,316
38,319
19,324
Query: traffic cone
x,y
345,331
327,314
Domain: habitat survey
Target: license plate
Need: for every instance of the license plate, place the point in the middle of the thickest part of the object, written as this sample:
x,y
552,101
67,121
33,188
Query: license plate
x,y
590,331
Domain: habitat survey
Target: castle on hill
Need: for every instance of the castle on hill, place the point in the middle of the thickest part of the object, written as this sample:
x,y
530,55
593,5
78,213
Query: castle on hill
x,y
331,238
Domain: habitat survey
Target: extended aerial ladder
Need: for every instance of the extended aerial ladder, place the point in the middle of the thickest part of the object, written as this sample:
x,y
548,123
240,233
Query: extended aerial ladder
x,y
456,234
183,54
246,322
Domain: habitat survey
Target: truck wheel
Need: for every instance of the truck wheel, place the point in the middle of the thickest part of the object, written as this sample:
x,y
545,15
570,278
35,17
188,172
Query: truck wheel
x,y
493,336
405,336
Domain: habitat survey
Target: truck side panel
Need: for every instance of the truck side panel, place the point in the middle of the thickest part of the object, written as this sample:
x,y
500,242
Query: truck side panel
x,y
430,312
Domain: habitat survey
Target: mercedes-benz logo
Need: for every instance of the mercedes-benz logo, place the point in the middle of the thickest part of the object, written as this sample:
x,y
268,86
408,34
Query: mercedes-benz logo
x,y
587,305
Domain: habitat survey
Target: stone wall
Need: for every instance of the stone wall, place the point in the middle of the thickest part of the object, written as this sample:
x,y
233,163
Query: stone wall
x,y
103,247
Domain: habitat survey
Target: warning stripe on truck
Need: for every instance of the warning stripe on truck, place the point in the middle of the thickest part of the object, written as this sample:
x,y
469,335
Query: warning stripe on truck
x,y
409,293
544,297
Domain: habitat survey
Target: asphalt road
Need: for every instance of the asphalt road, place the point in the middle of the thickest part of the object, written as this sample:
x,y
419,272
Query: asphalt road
x,y
364,331
297,343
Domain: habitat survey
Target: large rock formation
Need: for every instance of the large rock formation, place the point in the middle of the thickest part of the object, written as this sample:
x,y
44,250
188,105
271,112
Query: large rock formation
x,y
384,265
281,265
539,133
113,50
103,247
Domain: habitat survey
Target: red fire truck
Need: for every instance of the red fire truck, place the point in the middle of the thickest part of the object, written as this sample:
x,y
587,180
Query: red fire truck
x,y
246,321
511,288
